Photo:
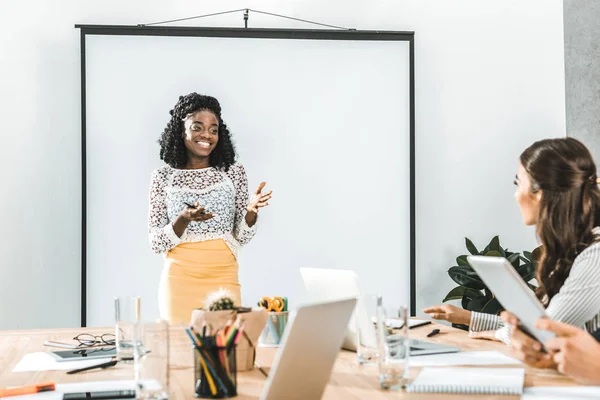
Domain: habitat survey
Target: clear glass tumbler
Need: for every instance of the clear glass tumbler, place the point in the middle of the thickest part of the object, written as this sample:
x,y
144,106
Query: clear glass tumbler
x,y
151,363
394,347
366,335
127,315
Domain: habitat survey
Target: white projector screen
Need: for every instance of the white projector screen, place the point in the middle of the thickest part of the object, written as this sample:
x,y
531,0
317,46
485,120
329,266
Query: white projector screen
x,y
324,117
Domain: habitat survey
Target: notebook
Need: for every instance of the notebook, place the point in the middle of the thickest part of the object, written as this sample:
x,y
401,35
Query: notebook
x,y
507,381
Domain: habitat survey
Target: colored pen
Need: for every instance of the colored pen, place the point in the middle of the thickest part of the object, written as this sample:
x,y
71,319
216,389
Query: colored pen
x,y
30,389
433,333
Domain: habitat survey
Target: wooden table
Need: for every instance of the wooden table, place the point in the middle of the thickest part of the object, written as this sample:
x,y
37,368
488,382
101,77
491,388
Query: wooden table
x,y
349,380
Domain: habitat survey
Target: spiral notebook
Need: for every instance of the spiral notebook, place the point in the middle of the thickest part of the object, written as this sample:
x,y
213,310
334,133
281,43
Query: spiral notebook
x,y
507,381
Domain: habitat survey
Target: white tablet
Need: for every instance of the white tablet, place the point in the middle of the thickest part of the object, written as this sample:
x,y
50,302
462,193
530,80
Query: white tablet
x,y
84,353
512,292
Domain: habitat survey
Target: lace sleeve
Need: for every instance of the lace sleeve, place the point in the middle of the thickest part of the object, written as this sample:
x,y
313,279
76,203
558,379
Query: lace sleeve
x,y
241,231
162,236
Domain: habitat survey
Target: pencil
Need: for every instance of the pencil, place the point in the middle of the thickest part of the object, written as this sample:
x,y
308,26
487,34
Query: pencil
x,y
30,389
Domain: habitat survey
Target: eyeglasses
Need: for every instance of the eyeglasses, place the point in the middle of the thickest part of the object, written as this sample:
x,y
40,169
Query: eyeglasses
x,y
89,340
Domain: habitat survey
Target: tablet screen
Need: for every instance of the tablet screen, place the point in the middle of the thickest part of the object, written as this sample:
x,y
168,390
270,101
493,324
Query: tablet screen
x,y
87,354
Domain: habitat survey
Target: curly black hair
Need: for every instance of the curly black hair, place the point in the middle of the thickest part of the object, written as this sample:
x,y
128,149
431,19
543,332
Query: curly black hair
x,y
172,146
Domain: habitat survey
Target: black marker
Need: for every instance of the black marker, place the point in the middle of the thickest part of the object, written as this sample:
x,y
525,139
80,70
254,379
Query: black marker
x,y
193,206
433,332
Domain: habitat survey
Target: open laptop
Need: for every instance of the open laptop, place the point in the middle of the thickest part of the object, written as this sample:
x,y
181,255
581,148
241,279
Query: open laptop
x,y
330,284
309,347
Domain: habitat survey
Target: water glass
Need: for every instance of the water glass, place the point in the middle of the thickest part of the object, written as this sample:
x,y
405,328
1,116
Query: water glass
x,y
151,363
127,315
366,334
394,348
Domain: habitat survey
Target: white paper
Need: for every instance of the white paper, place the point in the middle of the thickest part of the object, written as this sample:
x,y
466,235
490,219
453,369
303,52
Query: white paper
x,y
45,362
463,358
561,392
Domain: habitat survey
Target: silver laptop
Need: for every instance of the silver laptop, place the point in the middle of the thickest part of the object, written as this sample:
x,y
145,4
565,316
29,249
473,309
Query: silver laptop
x,y
329,284
309,347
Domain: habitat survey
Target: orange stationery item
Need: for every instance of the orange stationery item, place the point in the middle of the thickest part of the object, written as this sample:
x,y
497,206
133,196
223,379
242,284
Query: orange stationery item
x,y
30,389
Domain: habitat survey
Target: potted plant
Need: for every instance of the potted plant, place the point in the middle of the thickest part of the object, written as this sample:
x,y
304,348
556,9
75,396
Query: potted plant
x,y
473,293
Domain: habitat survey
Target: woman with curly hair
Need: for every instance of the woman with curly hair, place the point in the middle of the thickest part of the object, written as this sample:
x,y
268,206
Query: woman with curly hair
x,y
199,213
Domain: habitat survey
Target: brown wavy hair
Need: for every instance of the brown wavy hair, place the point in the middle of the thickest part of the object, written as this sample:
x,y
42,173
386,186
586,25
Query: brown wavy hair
x,y
563,169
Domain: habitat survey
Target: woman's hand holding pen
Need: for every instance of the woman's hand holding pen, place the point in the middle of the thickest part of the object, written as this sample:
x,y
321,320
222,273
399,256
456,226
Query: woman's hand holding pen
x,y
193,212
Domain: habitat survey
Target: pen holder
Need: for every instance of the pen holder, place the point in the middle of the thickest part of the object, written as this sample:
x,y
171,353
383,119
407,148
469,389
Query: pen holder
x,y
273,331
215,375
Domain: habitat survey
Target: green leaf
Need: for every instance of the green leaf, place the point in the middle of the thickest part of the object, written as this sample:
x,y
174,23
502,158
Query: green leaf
x,y
465,276
493,253
512,258
462,260
526,271
492,307
471,296
455,294
527,255
495,244
465,302
471,247
477,304
502,252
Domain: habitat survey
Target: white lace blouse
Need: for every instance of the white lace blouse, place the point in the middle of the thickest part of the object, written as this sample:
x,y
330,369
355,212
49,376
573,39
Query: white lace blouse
x,y
225,194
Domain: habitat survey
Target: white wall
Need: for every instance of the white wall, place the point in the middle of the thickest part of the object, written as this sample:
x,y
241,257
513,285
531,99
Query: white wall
x,y
489,81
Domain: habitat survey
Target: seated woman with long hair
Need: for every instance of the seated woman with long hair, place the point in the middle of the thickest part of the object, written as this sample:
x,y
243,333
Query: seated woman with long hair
x,y
557,191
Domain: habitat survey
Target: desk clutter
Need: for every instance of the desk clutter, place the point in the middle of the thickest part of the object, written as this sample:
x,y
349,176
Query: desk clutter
x,y
277,308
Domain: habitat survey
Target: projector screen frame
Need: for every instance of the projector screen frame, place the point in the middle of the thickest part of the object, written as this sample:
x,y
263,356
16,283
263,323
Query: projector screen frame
x,y
246,33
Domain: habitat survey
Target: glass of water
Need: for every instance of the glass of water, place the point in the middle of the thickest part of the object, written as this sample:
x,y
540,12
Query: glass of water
x,y
394,347
151,357
127,315
366,334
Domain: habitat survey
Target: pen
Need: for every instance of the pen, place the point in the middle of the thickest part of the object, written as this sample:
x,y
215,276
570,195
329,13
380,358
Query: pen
x,y
103,365
30,389
433,333
193,206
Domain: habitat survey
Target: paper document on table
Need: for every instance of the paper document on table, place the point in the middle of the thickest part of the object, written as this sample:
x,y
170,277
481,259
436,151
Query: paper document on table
x,y
561,392
463,358
45,362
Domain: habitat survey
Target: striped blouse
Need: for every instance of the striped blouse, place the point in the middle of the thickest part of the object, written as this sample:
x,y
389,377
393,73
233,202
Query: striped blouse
x,y
577,302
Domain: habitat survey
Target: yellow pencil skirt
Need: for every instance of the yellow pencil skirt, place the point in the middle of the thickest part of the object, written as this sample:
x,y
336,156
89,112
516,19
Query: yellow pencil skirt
x,y
191,272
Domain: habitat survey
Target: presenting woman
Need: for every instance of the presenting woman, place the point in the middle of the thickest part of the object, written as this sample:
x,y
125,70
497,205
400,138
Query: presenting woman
x,y
199,213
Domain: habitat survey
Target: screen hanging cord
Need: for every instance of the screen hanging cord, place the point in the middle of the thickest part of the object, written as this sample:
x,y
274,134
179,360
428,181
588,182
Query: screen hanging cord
x,y
246,15
188,18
